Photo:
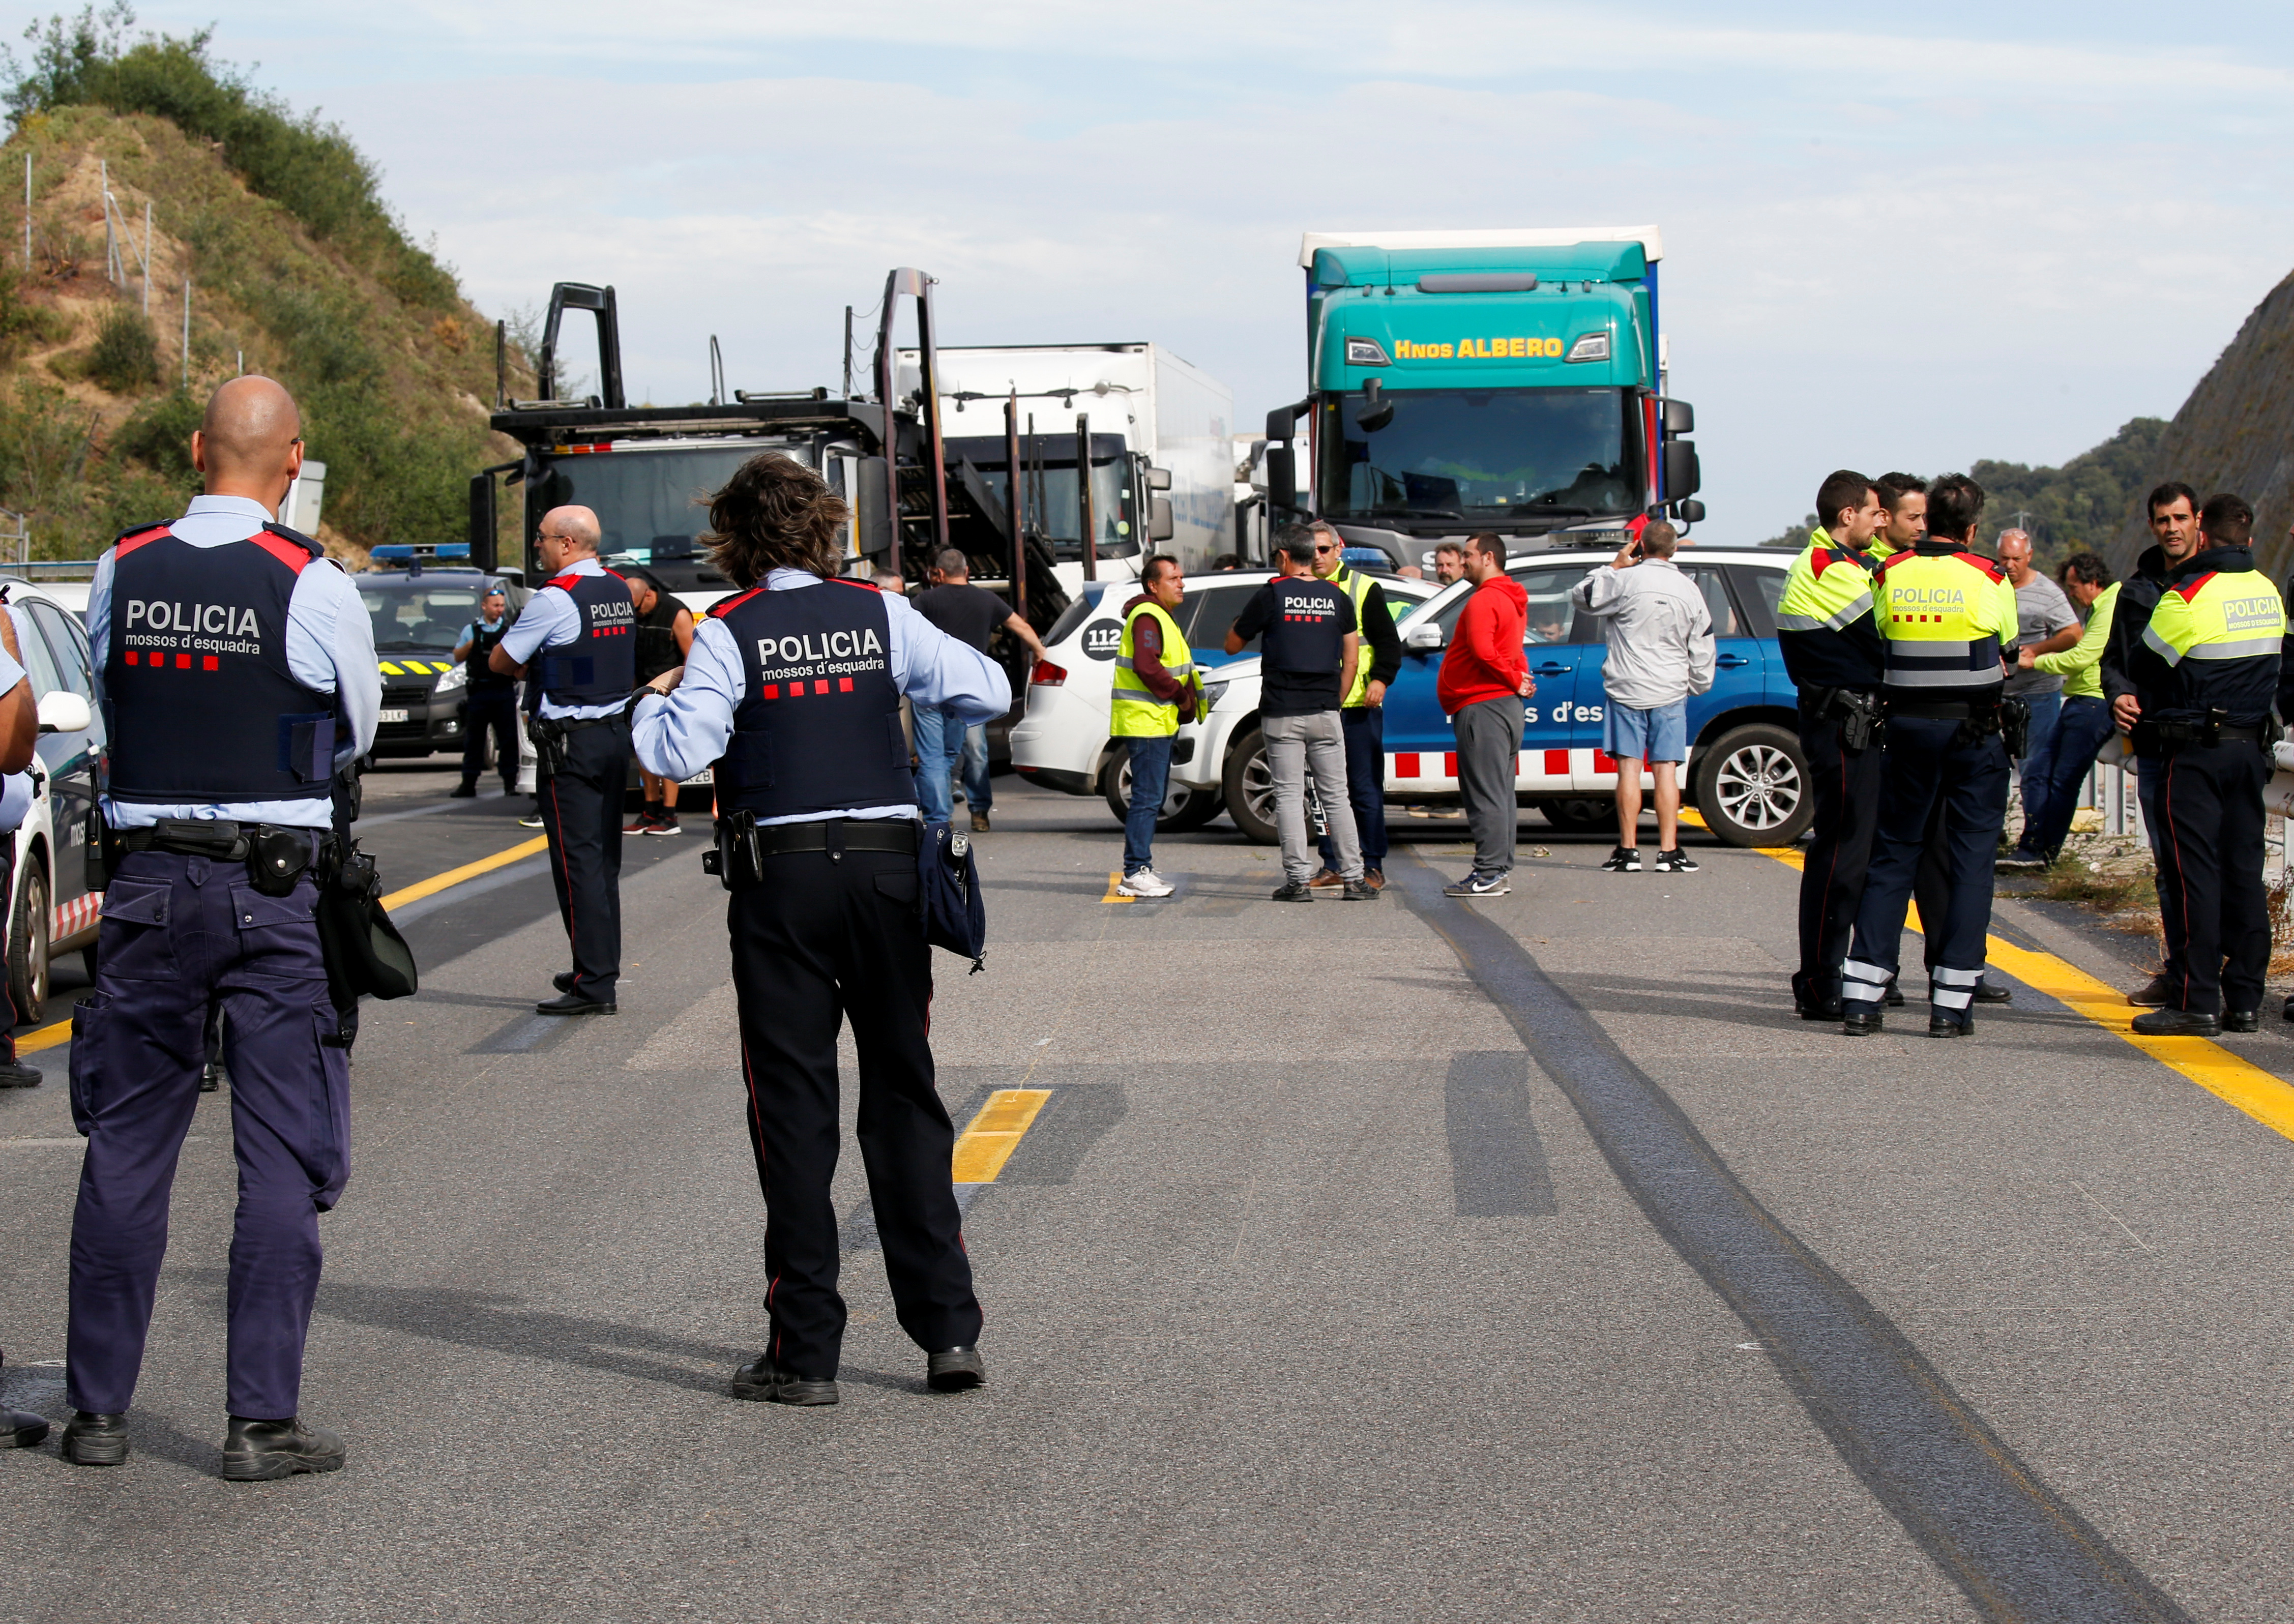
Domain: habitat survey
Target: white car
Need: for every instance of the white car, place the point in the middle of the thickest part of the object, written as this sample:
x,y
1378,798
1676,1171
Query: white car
x,y
1062,742
1747,775
56,884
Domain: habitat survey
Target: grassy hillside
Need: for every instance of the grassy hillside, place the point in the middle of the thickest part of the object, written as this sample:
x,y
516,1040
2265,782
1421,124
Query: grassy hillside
x,y
294,263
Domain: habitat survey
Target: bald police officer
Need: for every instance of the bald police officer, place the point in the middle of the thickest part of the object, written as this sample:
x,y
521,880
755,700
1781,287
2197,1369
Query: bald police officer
x,y
575,644
793,687
1944,614
236,670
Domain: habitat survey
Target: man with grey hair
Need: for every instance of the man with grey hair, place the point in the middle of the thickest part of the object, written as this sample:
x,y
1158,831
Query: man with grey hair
x,y
971,615
1661,651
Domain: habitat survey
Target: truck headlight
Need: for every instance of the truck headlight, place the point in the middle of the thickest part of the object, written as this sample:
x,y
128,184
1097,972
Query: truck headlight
x,y
1366,353
1591,346
452,681
1213,691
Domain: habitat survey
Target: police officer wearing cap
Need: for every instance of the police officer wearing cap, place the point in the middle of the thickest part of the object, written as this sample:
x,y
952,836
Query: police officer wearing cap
x,y
490,699
236,670
2205,681
575,644
793,688
1834,654
1944,614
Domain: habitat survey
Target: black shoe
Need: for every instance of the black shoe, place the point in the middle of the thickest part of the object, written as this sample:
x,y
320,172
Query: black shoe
x,y
1865,1021
469,792
1894,998
574,1004
563,979
956,1370
1358,890
1985,992
15,1073
21,1429
759,1379
2177,1023
1675,861
1624,860
210,1078
95,1441
259,1451
1944,1024
1825,1007
1295,890
2160,992
2241,1020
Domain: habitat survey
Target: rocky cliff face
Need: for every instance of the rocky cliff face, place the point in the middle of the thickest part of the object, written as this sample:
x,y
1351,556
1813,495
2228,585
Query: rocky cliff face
x,y
2236,432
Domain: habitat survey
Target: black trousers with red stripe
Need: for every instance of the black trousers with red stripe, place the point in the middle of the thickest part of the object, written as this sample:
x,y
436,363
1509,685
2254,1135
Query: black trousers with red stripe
x,y
581,815
1846,785
2210,899
822,939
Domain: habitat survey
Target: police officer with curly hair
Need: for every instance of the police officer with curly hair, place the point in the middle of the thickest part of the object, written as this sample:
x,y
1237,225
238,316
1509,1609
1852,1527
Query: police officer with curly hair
x,y
792,687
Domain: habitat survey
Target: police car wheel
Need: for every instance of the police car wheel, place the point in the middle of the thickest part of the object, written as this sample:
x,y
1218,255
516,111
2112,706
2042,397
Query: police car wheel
x,y
1249,786
1183,809
1752,787
27,945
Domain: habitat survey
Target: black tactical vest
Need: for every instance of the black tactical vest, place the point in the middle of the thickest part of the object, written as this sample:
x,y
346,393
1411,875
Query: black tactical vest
x,y
600,665
199,699
483,640
1305,633
657,650
818,725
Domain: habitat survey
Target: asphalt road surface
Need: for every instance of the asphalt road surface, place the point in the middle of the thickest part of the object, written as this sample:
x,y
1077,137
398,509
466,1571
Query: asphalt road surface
x,y
1523,1259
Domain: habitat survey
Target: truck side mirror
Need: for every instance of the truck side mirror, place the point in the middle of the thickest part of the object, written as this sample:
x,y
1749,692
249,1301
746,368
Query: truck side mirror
x,y
878,535
1158,479
1680,418
1375,414
1682,474
1281,476
1160,524
1689,511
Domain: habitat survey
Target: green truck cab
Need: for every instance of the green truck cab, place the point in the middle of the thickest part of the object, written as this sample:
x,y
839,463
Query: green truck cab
x,y
1468,381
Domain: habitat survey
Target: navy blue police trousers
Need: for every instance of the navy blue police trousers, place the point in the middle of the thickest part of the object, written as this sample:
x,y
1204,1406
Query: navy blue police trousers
x,y
819,940
1940,786
581,815
179,935
1844,784
2212,907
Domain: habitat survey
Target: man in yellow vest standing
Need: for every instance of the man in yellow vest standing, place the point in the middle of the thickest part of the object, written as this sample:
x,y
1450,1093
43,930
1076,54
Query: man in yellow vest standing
x,y
2201,707
1943,613
1156,690
1362,711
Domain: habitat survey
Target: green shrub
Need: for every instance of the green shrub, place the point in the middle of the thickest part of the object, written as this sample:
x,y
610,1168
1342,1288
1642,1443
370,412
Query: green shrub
x,y
125,356
159,436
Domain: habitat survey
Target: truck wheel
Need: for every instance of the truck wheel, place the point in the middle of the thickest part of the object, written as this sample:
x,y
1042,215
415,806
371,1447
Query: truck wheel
x,y
1579,814
1183,809
27,943
1752,787
1249,783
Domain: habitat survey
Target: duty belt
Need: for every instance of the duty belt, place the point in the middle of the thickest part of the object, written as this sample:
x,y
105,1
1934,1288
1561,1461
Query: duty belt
x,y
201,837
742,844
2214,730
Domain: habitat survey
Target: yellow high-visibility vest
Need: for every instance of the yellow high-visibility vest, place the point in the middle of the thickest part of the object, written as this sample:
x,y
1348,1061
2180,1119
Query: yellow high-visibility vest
x,y
2224,614
1943,616
1356,586
1135,713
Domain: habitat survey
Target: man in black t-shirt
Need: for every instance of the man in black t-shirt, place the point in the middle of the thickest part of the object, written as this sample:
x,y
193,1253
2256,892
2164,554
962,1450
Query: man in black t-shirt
x,y
1307,663
971,615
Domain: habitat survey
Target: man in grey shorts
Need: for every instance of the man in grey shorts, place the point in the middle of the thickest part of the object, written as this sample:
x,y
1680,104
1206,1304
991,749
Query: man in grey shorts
x,y
1306,662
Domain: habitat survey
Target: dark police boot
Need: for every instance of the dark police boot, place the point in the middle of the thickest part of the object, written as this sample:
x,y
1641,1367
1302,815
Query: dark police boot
x,y
1895,998
761,1379
95,1441
1985,992
574,1004
563,980
1943,1023
1862,1021
258,1451
20,1429
2241,1020
1819,1006
211,1077
2177,1023
2160,992
15,1073
954,1370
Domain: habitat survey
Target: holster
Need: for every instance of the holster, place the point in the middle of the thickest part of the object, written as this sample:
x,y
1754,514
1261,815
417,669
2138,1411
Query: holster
x,y
2015,726
1863,720
549,736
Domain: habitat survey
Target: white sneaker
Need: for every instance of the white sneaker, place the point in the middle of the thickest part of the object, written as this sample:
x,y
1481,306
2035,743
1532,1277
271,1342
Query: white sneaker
x,y
1146,882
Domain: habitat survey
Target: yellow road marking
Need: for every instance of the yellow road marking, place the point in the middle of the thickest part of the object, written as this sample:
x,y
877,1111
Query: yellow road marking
x,y
1114,879
469,871
995,1134
59,1032
2262,1095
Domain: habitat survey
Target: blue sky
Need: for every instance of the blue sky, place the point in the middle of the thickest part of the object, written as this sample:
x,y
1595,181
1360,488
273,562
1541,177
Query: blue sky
x,y
1895,237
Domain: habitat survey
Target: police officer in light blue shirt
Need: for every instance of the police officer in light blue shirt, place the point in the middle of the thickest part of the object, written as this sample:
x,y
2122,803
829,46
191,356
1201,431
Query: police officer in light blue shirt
x,y
792,687
236,670
19,733
575,644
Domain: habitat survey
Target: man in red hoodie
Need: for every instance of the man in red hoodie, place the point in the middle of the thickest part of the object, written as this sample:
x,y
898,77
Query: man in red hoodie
x,y
1485,678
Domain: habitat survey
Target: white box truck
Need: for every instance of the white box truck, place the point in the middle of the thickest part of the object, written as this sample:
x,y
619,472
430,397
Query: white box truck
x,y
1150,417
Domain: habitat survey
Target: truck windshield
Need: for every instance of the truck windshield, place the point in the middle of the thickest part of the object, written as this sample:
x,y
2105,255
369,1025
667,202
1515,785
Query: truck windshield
x,y
1487,454
1052,507
645,500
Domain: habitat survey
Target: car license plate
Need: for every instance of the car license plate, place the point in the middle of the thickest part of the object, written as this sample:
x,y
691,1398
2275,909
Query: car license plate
x,y
701,779
390,716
